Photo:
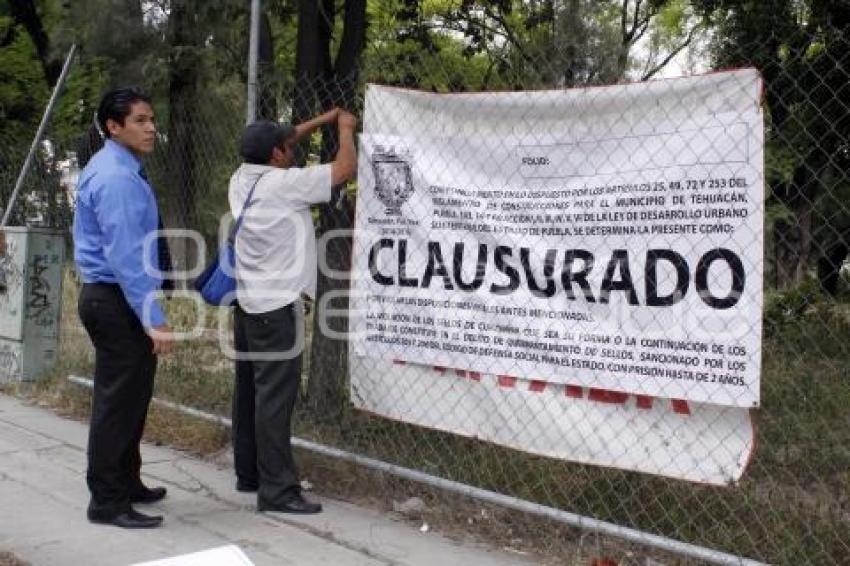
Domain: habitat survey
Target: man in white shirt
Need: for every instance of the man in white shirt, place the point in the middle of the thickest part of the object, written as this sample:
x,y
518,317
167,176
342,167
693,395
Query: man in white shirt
x,y
275,265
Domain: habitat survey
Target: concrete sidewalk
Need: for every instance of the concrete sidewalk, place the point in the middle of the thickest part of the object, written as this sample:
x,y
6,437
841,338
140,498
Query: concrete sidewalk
x,y
43,499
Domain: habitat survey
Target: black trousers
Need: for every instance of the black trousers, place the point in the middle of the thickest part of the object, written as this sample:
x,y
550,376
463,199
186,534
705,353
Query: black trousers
x,y
264,401
123,385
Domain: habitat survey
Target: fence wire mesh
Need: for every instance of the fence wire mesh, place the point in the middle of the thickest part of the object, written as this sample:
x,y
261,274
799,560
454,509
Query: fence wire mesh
x,y
517,433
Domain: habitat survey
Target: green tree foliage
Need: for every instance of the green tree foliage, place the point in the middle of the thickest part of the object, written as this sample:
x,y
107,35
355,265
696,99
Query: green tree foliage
x,y
37,18
513,44
37,35
115,32
193,64
23,94
802,48
23,91
112,44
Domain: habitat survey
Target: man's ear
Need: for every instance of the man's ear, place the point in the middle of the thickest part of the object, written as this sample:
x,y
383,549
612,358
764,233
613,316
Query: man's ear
x,y
112,126
278,154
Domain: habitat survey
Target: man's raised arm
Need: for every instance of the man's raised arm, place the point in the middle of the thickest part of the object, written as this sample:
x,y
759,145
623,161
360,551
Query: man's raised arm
x,y
344,166
304,129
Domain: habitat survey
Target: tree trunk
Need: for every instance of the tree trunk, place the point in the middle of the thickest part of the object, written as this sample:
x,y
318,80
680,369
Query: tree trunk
x,y
804,223
796,242
266,100
785,243
25,13
182,98
306,68
572,27
809,190
326,388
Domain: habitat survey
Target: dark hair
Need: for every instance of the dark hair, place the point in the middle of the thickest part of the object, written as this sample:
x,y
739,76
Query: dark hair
x,y
115,105
260,138
88,144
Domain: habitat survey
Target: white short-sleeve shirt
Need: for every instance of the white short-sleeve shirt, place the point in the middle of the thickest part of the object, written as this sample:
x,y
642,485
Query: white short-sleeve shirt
x,y
276,244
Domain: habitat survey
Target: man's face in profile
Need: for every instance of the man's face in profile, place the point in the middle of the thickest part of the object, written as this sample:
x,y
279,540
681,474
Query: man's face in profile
x,y
138,133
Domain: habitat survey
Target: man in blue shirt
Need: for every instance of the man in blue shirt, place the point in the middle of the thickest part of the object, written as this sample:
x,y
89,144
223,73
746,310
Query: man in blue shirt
x,y
115,216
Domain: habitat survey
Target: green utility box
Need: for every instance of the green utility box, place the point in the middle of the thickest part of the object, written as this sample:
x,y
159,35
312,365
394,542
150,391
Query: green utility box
x,y
32,302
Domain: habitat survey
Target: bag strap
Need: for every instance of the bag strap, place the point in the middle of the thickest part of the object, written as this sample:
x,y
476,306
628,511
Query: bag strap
x,y
232,238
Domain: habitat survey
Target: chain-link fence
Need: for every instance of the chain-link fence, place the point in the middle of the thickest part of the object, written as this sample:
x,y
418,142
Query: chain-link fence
x,y
538,228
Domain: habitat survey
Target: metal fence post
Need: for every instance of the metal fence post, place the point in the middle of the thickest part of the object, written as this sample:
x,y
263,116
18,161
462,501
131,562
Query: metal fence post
x,y
28,161
44,119
251,109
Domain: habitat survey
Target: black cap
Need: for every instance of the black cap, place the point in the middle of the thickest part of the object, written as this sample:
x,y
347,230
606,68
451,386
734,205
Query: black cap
x,y
260,138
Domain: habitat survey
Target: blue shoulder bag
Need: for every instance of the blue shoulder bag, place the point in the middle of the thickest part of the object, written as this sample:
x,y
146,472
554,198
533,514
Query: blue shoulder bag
x,y
217,283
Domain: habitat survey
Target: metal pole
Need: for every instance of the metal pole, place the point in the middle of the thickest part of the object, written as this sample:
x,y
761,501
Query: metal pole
x,y
44,119
572,519
253,54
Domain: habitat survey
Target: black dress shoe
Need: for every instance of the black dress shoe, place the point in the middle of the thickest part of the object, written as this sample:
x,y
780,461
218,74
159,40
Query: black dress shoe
x,y
146,495
297,504
129,519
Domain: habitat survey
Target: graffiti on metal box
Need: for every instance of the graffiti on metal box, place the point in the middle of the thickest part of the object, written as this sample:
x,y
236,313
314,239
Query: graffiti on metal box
x,y
38,300
10,361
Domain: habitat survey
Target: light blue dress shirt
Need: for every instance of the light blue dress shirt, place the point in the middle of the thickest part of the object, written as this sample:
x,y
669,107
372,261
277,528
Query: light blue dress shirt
x,y
115,211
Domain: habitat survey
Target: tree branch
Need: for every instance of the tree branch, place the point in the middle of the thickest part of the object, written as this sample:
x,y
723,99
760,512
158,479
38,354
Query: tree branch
x,y
691,34
643,27
351,46
636,16
8,36
504,31
623,15
25,13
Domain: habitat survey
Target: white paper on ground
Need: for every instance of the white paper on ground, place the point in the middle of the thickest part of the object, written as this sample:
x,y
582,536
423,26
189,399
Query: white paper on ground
x,y
230,555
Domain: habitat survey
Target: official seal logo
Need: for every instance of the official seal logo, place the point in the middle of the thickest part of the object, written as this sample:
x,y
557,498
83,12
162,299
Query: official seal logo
x,y
393,181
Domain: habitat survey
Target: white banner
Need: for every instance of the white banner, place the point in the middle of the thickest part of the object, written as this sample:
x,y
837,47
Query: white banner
x,y
608,238
674,438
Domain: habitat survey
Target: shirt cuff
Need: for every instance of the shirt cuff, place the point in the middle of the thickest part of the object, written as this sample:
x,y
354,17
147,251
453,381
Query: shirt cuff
x,y
151,315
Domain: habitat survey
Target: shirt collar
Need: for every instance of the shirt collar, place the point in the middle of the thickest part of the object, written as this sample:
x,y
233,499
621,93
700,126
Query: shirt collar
x,y
124,155
256,167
